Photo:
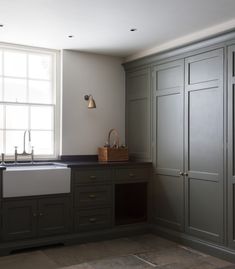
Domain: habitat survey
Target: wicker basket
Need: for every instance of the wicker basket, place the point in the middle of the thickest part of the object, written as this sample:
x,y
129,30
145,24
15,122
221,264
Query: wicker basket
x,y
114,153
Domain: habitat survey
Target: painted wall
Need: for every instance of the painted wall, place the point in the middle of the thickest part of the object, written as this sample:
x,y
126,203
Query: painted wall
x,y
83,129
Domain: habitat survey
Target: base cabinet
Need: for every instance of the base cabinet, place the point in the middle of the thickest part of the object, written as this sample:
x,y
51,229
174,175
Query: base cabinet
x,y
30,218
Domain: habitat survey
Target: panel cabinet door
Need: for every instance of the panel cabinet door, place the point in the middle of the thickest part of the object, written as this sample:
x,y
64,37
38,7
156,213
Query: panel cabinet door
x,y
54,216
204,145
168,196
19,219
138,134
231,152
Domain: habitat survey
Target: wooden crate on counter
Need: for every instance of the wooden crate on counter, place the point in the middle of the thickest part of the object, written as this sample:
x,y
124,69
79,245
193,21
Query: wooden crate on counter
x,y
107,154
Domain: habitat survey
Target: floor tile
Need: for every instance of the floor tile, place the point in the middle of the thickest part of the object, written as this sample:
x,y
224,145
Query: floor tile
x,y
29,260
150,241
126,262
215,261
171,255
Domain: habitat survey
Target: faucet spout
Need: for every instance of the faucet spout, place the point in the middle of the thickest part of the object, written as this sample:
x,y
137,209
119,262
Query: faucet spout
x,y
29,135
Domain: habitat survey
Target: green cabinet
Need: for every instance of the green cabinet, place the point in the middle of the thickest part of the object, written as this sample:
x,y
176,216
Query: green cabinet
x,y
168,184
93,199
138,111
188,145
19,219
30,218
231,146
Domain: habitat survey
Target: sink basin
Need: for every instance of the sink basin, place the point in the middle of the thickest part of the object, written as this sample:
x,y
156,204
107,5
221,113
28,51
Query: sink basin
x,y
28,180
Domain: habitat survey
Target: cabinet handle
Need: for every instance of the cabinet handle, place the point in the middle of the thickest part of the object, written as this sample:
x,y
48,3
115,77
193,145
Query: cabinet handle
x,y
131,175
34,214
41,214
92,219
185,174
92,196
181,173
92,177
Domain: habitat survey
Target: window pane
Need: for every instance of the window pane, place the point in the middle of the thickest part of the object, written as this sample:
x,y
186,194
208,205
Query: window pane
x,y
1,116
40,66
15,90
16,117
14,139
40,92
42,141
15,64
0,62
41,118
1,93
1,142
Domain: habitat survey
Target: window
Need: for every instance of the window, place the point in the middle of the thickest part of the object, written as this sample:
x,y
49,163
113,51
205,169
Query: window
x,y
28,100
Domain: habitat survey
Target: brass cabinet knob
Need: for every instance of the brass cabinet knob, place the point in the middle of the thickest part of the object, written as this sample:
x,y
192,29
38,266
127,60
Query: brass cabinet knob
x,y
34,214
181,173
41,214
185,174
92,196
131,175
92,177
92,219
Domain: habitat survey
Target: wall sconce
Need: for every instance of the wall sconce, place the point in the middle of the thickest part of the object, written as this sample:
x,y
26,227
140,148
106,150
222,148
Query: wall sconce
x,y
91,101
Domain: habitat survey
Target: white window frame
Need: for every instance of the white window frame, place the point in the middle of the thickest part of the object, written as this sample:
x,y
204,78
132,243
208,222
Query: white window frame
x,y
56,82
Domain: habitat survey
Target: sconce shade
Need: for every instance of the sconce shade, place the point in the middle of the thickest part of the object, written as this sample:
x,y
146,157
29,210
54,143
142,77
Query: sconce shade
x,y
91,101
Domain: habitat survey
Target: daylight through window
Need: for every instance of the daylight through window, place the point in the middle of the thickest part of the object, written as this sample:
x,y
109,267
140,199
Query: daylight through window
x,y
28,100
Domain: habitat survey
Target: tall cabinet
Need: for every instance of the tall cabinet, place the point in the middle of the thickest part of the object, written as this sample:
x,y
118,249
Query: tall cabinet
x,y
138,114
231,146
168,115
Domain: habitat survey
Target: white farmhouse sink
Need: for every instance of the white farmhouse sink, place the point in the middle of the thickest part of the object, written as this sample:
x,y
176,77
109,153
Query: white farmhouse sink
x,y
35,180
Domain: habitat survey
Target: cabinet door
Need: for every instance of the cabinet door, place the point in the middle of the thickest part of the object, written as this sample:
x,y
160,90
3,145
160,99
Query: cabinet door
x,y
19,219
231,152
204,145
168,197
54,215
138,134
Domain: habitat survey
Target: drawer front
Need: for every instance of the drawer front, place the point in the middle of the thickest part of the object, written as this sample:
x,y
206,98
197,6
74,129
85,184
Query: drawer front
x,y
91,176
86,196
88,220
132,174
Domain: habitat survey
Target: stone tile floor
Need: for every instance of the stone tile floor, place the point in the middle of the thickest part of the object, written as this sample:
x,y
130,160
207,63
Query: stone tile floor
x,y
140,252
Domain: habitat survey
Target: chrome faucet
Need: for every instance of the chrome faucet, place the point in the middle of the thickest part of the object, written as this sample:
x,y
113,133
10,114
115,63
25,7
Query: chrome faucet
x,y
24,153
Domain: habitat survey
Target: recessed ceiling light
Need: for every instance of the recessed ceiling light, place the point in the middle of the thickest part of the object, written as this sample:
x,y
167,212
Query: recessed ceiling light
x,y
133,29
70,36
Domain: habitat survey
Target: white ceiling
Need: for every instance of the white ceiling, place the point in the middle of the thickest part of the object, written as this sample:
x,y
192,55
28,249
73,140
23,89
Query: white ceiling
x,y
103,26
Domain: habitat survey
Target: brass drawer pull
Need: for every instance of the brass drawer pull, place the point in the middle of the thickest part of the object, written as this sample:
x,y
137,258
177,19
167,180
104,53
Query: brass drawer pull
x,y
92,196
92,219
131,175
34,215
41,214
92,177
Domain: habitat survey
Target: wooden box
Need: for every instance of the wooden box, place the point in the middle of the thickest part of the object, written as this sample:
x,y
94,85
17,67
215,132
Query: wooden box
x,y
112,154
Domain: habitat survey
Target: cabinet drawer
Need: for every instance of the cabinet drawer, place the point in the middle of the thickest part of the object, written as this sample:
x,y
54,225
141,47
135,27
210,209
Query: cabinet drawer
x,y
90,196
91,176
132,173
94,219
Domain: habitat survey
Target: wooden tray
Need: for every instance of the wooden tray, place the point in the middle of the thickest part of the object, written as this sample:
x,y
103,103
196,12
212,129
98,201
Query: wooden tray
x,y
107,154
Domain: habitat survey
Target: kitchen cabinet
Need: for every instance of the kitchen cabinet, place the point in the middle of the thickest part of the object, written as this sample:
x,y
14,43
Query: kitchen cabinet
x,y
29,218
168,109
93,204
188,131
204,145
231,149
138,121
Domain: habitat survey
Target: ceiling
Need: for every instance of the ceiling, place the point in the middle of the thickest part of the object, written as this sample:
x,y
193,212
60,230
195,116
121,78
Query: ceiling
x,y
103,26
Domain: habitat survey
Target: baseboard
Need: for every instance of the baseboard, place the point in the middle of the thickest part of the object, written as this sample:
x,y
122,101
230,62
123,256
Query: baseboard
x,y
213,249
75,238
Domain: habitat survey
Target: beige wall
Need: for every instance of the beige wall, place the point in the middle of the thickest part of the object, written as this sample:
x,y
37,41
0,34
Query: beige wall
x,y
83,129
